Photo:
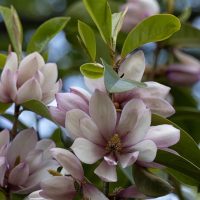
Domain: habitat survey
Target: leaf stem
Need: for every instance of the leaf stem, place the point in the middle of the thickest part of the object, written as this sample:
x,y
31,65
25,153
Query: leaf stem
x,y
15,123
106,188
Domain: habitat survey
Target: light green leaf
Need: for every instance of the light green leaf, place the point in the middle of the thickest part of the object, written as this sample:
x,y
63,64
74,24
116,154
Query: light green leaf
x,y
186,147
117,21
92,70
37,107
2,60
188,36
115,84
4,107
14,28
45,33
88,38
153,29
101,14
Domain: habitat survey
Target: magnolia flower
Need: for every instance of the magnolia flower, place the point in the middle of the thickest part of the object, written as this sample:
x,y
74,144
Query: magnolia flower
x,y
101,135
24,162
63,187
137,11
187,72
153,95
76,98
32,79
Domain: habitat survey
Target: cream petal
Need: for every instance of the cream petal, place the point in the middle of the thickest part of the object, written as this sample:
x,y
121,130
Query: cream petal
x,y
103,113
28,91
87,151
163,135
133,67
69,161
106,172
127,159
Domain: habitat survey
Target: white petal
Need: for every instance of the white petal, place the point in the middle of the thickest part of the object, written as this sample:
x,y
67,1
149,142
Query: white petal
x,y
133,67
35,196
87,151
3,169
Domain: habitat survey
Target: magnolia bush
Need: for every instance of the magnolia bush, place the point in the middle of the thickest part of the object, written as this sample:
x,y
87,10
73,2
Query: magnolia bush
x,y
114,140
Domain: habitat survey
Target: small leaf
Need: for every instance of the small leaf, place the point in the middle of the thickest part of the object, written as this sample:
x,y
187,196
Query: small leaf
x,y
101,14
38,107
92,70
4,107
115,84
14,28
149,184
45,33
88,38
2,60
153,29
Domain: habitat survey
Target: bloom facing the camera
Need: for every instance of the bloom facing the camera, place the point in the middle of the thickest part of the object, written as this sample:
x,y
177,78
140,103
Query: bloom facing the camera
x,y
101,135
24,162
32,79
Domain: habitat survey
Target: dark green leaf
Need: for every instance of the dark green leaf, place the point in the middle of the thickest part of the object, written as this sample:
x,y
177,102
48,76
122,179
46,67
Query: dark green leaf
x,y
2,60
150,184
153,29
45,33
115,84
88,38
92,70
4,107
101,14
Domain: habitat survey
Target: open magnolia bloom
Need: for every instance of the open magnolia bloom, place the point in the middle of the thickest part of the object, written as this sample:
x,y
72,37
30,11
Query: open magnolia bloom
x,y
102,135
29,79
187,72
63,187
25,161
76,98
153,95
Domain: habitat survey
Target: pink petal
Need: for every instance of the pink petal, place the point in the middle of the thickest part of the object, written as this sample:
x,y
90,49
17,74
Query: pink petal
x,y
81,92
163,135
3,169
127,159
4,97
87,151
11,63
28,91
4,138
93,84
19,174
133,67
110,159
103,113
35,196
69,161
58,115
106,172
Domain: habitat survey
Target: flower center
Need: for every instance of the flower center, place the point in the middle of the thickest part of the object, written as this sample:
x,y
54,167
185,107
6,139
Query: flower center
x,y
114,144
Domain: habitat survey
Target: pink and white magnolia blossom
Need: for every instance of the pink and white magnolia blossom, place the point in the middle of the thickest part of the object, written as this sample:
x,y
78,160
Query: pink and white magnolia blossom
x,y
138,10
185,73
63,187
102,135
76,98
29,79
153,95
24,162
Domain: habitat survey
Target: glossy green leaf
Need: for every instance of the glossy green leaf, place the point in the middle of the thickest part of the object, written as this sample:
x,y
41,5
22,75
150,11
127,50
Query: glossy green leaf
x,y
14,28
188,36
186,147
92,70
150,184
45,33
4,107
178,163
2,60
88,38
115,84
101,14
153,29
37,107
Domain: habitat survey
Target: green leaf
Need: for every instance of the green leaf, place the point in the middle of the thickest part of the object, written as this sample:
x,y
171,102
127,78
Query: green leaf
x,y
14,28
150,184
92,70
88,38
115,84
38,107
117,21
178,163
45,33
188,36
2,60
101,14
153,29
4,107
186,147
